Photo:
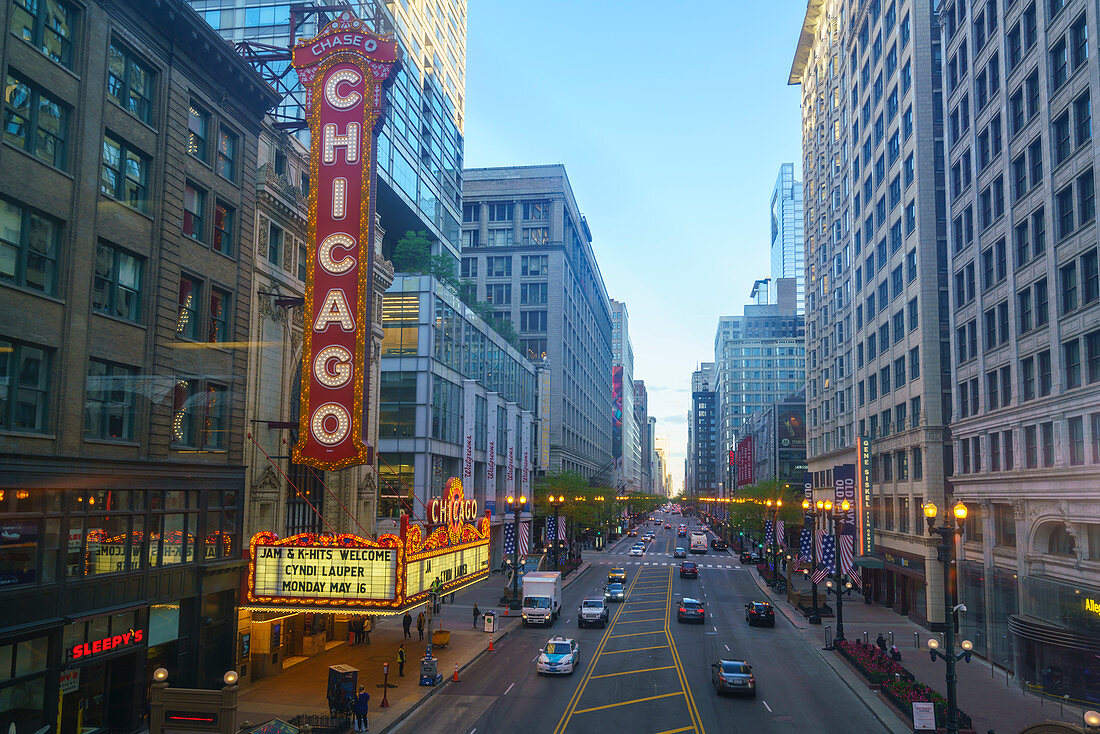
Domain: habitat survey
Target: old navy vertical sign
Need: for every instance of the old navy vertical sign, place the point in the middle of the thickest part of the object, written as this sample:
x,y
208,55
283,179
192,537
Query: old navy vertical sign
x,y
343,70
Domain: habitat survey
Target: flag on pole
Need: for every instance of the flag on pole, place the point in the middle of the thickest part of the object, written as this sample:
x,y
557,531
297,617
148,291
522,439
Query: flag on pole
x,y
780,534
509,540
828,553
550,533
805,545
561,530
767,532
847,561
819,575
524,537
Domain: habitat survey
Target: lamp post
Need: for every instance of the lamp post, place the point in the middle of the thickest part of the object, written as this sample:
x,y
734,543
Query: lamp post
x,y
839,583
773,544
515,507
556,503
952,526
807,509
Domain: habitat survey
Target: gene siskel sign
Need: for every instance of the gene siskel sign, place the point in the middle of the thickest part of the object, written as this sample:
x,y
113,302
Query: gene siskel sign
x,y
343,70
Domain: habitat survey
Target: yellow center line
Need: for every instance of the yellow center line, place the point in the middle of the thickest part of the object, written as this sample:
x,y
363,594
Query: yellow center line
x,y
626,703
633,634
639,621
636,611
564,722
674,731
634,649
698,724
651,593
632,672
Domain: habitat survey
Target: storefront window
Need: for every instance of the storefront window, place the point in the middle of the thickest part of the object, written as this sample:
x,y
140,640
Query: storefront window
x,y
18,552
972,593
23,684
107,544
174,538
1005,602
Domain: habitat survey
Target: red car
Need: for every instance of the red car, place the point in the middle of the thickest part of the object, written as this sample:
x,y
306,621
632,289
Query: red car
x,y
688,570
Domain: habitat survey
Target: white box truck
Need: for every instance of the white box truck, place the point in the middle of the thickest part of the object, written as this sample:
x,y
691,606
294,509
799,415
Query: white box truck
x,y
698,542
541,597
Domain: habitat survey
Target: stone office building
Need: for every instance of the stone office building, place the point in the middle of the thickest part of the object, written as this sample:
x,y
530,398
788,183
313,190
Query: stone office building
x,y
126,207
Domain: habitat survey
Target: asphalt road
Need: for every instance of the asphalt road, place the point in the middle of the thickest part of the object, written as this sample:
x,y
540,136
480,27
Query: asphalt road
x,y
646,673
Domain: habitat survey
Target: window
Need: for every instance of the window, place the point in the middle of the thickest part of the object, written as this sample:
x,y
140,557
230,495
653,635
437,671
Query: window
x,y
48,26
533,293
914,363
536,210
198,120
194,206
534,265
1027,378
28,248
124,174
116,285
501,212
1044,373
130,83
1092,356
25,370
303,263
1061,138
1071,359
1038,231
498,267
501,237
532,320
1047,432
471,212
199,418
1090,287
1009,450
469,267
217,328
227,158
1059,65
1082,116
1063,205
187,319
1076,430
1086,197
1094,424
1067,275
498,294
535,235
35,122
275,244
109,404
223,228
1031,447
1079,37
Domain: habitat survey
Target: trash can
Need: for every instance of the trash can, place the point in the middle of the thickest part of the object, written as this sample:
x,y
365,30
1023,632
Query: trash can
x,y
489,621
428,671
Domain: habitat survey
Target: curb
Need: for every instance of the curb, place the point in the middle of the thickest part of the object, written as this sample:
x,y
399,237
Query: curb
x,y
504,632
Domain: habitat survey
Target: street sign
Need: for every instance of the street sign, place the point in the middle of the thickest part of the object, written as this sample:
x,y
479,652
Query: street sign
x,y
924,716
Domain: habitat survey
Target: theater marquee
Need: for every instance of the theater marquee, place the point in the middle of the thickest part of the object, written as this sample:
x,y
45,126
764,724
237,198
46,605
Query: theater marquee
x,y
344,70
349,573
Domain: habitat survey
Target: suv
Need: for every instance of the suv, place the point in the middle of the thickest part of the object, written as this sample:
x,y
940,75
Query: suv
x,y
592,611
718,544
759,612
691,610
688,570
616,574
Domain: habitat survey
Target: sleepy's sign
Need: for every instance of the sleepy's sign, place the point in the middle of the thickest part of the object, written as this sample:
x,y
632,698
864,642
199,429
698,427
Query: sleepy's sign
x,y
344,70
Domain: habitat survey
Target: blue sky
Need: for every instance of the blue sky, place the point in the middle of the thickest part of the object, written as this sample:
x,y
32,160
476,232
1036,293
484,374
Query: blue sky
x,y
671,120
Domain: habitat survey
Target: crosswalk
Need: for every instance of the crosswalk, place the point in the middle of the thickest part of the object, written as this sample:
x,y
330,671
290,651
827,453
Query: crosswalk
x,y
726,566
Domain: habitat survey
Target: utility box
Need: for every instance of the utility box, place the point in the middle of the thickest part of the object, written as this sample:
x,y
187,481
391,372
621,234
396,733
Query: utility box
x,y
429,675
342,680
489,620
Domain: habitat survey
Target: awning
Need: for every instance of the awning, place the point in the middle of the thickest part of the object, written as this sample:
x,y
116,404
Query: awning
x,y
1037,630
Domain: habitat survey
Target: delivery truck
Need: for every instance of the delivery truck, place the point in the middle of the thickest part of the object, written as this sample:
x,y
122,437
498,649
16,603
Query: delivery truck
x,y
541,597
698,542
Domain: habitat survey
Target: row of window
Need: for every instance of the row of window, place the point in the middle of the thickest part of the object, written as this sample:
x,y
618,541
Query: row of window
x,y
504,212
500,294
200,407
1039,447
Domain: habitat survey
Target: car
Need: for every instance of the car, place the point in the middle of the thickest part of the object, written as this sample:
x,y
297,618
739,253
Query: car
x,y
616,574
746,557
614,592
703,527
559,655
633,533
759,612
718,544
668,526
681,533
688,570
679,553
592,611
691,610
733,676
637,551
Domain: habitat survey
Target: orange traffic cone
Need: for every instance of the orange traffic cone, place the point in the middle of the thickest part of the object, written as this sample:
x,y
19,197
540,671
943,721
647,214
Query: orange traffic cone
x,y
455,678
490,642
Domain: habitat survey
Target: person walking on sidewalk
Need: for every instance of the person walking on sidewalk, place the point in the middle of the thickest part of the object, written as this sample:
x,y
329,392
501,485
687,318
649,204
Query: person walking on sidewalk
x,y
401,660
407,624
420,625
361,709
477,613
881,642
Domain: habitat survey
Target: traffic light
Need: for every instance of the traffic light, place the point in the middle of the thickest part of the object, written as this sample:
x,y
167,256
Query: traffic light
x,y
759,545
741,534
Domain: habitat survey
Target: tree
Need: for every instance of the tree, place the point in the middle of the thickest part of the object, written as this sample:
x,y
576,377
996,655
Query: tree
x,y
412,253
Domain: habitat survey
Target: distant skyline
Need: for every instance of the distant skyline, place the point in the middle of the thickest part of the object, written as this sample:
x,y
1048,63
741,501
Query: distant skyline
x,y
672,126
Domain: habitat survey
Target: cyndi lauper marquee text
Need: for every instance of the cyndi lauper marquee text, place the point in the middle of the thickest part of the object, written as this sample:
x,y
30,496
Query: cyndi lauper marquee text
x,y
343,70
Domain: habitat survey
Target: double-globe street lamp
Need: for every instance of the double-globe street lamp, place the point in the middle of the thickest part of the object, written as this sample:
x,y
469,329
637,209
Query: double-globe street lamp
x,y
952,527
556,503
515,507
773,543
839,583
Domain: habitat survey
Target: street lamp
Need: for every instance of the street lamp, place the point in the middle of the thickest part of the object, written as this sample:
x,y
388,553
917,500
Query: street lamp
x,y
952,526
773,546
556,503
1092,720
839,584
515,507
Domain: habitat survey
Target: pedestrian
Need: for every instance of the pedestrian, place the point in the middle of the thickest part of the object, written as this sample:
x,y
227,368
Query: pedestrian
x,y
407,624
881,642
368,625
420,625
401,660
360,632
361,709
895,654
477,613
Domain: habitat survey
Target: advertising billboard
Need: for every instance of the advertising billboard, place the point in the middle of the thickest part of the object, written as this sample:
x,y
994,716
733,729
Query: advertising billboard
x,y
791,426
865,524
617,415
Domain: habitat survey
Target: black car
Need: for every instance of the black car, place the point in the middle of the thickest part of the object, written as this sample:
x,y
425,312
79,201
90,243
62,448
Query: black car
x,y
759,612
718,544
689,570
691,610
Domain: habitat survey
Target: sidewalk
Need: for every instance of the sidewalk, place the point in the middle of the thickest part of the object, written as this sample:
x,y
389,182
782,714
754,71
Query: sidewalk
x,y
301,688
993,701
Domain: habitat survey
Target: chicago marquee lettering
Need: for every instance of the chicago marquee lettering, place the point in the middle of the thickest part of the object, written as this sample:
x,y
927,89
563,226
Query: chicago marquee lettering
x,y
343,70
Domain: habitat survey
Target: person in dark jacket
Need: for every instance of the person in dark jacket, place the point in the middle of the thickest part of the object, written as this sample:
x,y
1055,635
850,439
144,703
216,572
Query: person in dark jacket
x,y
361,701
401,660
477,613
881,642
420,625
407,623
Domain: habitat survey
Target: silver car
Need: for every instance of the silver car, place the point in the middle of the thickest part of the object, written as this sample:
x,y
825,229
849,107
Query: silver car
x,y
733,676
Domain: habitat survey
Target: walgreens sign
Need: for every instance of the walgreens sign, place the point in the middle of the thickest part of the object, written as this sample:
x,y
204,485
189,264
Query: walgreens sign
x,y
344,70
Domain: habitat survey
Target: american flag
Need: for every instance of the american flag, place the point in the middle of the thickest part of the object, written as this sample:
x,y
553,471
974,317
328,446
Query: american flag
x,y
509,539
805,545
768,532
828,559
550,524
561,530
780,534
847,561
524,537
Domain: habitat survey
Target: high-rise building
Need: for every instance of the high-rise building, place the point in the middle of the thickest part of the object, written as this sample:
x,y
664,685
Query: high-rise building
x,y
528,249
702,457
759,357
127,200
786,231
625,444
1025,310
419,158
645,437
876,284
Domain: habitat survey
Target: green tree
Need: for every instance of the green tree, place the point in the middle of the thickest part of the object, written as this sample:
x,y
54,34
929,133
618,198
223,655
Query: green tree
x,y
412,253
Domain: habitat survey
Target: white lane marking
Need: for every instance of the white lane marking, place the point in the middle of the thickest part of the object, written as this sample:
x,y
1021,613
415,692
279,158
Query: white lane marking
x,y
713,628
513,683
726,646
769,708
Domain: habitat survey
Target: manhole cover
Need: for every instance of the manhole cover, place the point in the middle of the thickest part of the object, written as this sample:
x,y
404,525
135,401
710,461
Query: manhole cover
x,y
782,717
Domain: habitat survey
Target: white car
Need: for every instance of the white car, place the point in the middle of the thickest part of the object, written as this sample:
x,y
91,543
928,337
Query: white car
x,y
636,551
559,655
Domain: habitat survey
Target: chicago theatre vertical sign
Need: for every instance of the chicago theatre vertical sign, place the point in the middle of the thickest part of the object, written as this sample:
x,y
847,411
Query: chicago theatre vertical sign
x,y
344,70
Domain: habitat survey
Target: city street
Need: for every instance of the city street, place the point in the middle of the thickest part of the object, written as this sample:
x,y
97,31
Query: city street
x,y
648,672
